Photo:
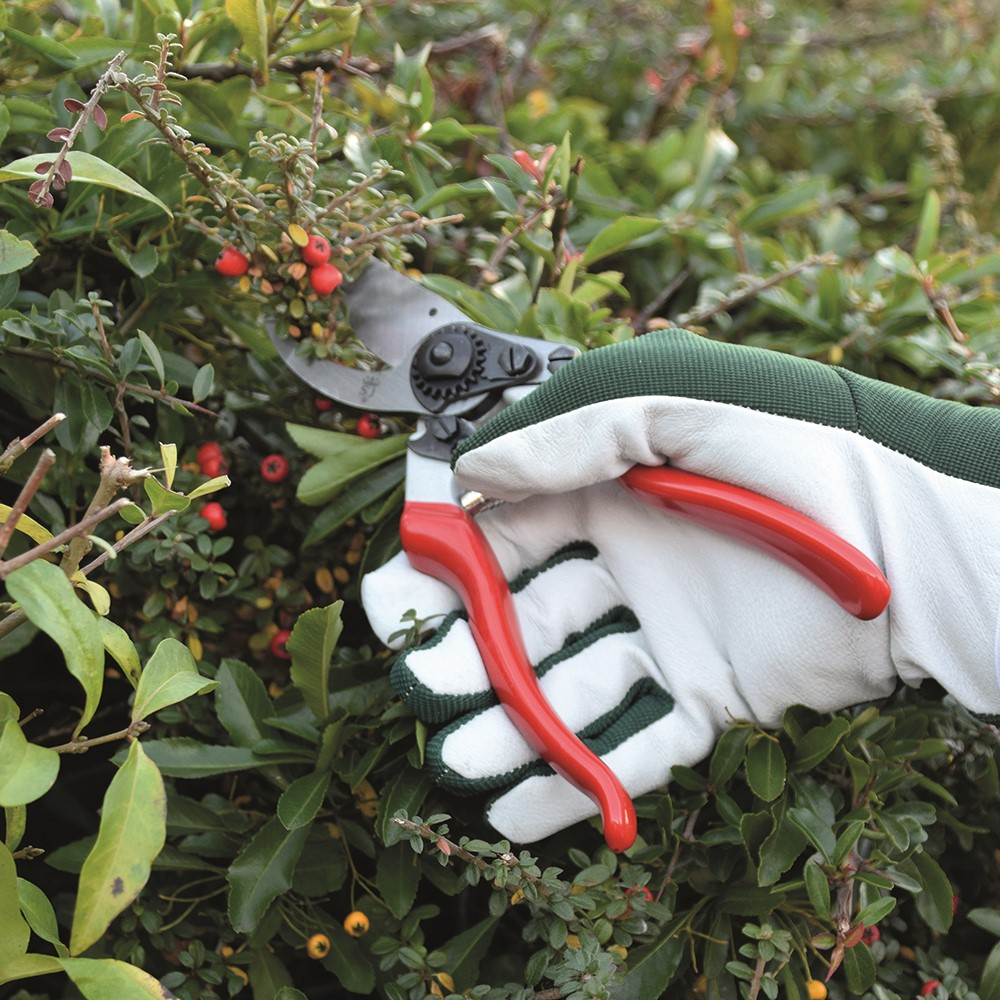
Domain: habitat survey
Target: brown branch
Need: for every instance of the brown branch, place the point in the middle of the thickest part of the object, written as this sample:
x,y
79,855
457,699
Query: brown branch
x,y
19,446
76,532
748,294
81,744
24,498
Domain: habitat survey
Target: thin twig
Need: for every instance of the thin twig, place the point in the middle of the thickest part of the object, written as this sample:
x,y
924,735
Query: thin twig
x,y
652,308
19,446
81,744
76,531
27,494
139,531
748,294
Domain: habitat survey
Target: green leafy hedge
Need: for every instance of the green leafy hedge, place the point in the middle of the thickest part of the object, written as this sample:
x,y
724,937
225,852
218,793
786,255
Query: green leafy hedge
x,y
209,787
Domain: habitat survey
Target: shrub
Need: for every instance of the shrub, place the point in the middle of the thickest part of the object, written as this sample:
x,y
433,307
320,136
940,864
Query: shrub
x,y
251,810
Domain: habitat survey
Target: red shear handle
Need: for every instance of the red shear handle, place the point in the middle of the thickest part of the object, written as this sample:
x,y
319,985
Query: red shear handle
x,y
834,565
444,542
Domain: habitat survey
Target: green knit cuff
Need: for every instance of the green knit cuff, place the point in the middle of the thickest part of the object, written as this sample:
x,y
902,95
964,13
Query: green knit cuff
x,y
644,704
950,437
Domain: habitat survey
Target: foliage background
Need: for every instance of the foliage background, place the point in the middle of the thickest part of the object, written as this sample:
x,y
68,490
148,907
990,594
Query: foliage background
x,y
816,178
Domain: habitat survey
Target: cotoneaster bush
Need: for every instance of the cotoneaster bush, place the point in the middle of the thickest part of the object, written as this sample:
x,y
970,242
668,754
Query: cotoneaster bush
x,y
181,182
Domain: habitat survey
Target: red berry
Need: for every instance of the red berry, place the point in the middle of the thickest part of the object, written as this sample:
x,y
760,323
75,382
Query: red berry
x,y
215,515
870,935
278,644
231,262
210,449
325,278
316,251
274,468
323,404
213,467
369,426
929,987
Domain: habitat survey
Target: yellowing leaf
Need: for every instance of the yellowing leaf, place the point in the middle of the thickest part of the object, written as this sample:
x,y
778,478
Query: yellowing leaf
x,y
35,531
27,771
298,235
168,452
132,833
250,17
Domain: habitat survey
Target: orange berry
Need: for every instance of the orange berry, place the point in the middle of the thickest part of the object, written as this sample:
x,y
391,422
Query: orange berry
x,y
318,946
356,923
816,989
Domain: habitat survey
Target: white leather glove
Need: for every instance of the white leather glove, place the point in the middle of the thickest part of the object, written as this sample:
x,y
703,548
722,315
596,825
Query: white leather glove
x,y
650,634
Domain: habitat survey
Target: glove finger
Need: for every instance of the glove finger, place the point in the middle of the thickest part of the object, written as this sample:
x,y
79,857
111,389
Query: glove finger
x,y
543,803
388,592
484,751
446,676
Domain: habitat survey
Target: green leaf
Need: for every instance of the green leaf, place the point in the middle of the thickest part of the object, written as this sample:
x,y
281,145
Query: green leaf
x,y
153,353
171,675
729,753
119,646
212,486
766,768
818,888
27,771
989,980
301,800
50,602
289,993
782,847
39,913
405,791
340,24
930,223
466,950
268,975
859,969
203,382
86,168
816,829
29,965
986,918
819,743
250,18
934,901
14,929
331,474
164,499
183,757
349,963
749,900
109,979
876,910
241,703
353,501
262,872
312,644
15,254
624,232
397,877
132,832
652,967
48,48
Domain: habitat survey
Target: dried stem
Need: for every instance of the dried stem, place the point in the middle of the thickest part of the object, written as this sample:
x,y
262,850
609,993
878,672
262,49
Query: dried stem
x,y
748,294
81,744
25,497
19,446
76,533
139,531
40,194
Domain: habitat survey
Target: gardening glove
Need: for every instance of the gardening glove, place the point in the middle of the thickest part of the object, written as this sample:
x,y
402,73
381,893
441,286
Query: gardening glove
x,y
650,634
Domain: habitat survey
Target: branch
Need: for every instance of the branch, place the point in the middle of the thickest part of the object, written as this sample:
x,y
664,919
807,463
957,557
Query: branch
x,y
19,446
25,497
81,744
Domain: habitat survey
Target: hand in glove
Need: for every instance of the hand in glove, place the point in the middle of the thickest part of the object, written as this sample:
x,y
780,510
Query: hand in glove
x,y
650,634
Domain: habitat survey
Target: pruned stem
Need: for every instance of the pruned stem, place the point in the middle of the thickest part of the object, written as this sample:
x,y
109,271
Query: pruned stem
x,y
24,498
19,446
81,744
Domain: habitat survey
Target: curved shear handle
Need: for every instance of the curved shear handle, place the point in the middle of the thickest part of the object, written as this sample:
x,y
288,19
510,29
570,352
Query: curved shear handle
x,y
443,541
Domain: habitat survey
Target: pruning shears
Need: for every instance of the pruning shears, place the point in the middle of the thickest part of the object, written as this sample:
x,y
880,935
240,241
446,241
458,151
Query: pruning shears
x,y
450,373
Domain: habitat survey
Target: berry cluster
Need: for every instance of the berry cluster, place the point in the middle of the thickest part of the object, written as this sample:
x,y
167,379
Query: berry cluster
x,y
299,282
